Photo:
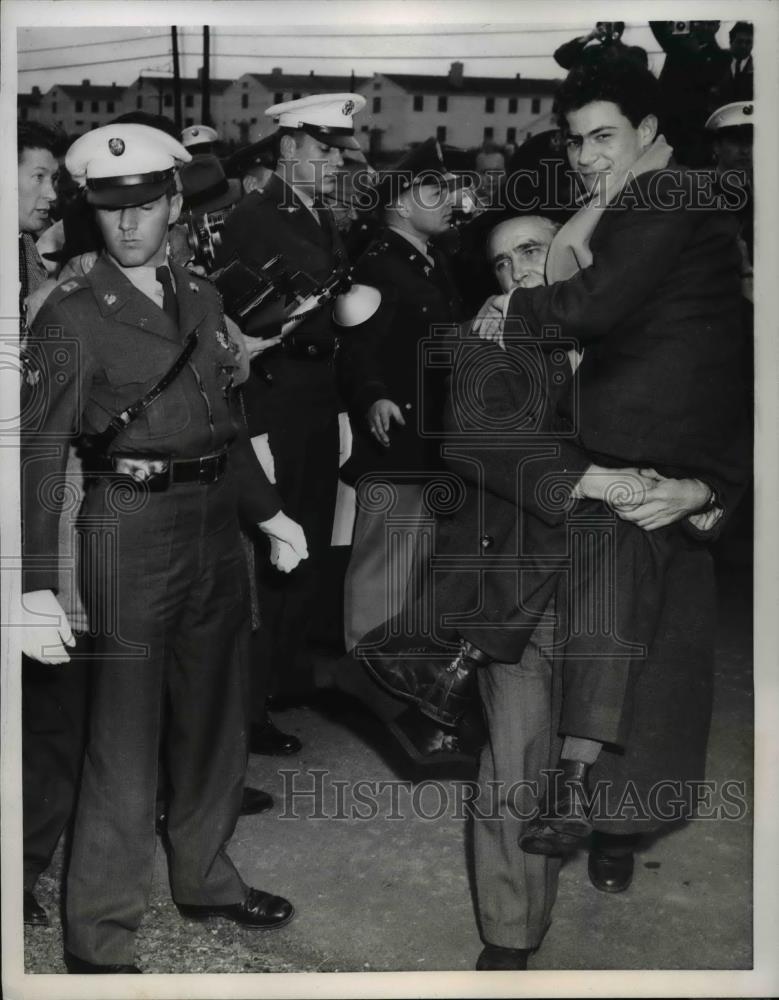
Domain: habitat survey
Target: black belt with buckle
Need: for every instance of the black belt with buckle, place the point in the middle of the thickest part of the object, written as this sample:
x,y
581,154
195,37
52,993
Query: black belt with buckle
x,y
158,472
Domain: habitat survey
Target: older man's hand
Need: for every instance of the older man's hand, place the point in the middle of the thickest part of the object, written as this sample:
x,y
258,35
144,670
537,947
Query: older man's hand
x,y
490,321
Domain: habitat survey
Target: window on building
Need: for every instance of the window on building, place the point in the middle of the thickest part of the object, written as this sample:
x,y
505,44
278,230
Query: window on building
x,y
188,122
139,103
489,104
245,85
95,125
109,106
489,132
244,100
168,100
95,106
440,133
78,122
376,105
512,105
364,128
278,98
419,102
296,96
53,107
377,85
79,105
511,134
535,106
253,121
189,100
443,103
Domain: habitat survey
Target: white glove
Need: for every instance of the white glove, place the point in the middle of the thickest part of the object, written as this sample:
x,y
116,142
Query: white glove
x,y
283,556
45,628
344,439
264,455
284,533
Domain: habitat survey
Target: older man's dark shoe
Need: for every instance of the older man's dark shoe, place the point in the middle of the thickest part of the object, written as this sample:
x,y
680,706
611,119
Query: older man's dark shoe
x,y
610,872
564,823
34,913
493,958
80,967
268,739
260,910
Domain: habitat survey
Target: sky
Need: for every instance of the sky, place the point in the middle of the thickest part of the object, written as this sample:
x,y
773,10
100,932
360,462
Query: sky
x,y
105,55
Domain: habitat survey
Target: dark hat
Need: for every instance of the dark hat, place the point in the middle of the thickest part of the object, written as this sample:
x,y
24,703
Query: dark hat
x,y
205,186
263,152
422,166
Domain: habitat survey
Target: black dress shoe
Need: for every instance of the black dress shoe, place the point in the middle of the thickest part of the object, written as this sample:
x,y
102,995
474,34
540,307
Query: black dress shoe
x,y
425,741
610,872
268,740
260,910
34,913
80,967
564,823
451,693
496,959
255,801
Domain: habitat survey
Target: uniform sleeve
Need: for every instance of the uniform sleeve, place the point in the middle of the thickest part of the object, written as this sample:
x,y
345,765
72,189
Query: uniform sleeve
x,y
257,498
58,372
643,247
361,375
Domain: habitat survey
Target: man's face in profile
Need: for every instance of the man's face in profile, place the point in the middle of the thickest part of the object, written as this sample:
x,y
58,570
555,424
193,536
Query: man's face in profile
x,y
517,251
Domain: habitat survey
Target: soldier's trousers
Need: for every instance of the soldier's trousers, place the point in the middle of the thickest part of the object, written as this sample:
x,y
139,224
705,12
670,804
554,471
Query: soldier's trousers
x,y
165,581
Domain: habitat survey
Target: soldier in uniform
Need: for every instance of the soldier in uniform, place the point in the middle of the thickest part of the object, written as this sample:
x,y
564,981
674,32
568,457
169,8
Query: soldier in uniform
x,y
385,376
290,398
134,355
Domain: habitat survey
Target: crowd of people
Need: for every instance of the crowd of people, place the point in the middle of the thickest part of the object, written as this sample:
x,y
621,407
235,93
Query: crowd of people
x,y
520,393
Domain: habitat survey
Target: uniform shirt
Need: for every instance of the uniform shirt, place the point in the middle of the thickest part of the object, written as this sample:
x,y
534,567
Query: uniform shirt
x,y
98,345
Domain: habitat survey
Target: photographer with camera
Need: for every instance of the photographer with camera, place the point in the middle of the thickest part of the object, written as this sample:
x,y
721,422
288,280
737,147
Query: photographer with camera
x,y
290,398
603,42
694,67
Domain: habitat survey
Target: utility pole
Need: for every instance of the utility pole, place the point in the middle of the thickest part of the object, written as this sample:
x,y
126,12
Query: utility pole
x,y
205,111
176,79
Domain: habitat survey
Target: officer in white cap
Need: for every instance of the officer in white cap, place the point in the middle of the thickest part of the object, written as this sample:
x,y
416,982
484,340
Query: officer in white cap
x,y
135,356
199,139
733,132
292,406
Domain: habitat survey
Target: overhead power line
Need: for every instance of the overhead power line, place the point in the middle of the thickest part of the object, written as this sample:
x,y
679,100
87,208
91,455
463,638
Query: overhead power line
x,y
99,62
81,45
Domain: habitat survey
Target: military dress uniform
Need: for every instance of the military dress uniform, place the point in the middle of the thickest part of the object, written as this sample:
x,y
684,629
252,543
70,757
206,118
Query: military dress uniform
x,y
164,581
291,393
385,360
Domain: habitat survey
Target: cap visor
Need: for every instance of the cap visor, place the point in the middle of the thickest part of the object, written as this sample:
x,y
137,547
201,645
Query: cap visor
x,y
340,141
127,197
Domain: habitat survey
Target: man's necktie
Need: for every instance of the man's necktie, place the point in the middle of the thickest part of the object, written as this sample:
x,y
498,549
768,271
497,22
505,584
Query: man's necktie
x,y
169,301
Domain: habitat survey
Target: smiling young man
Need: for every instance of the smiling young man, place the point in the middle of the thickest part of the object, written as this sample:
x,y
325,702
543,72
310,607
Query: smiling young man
x,y
134,360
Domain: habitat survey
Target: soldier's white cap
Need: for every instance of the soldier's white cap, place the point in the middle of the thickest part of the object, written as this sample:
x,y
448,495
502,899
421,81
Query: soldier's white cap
x,y
123,165
326,117
199,135
731,115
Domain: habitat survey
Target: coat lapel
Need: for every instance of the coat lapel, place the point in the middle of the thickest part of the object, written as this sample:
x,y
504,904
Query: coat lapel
x,y
300,218
192,306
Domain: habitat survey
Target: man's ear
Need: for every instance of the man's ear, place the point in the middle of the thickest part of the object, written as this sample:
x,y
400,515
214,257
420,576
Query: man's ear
x,y
176,203
647,130
287,147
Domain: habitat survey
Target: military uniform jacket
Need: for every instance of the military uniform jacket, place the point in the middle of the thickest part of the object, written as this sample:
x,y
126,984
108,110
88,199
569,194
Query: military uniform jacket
x,y
97,345
267,223
393,356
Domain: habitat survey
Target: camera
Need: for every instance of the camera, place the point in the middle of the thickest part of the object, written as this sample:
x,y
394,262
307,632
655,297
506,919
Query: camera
x,y
204,236
680,28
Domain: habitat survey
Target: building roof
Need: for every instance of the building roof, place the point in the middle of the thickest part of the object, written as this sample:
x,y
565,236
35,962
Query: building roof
x,y
309,81
188,83
28,100
90,92
493,86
